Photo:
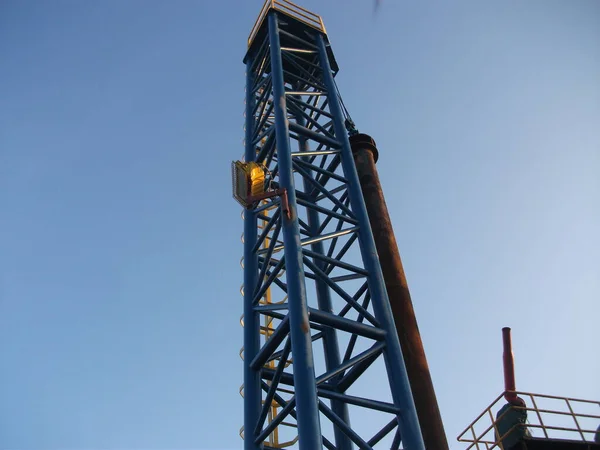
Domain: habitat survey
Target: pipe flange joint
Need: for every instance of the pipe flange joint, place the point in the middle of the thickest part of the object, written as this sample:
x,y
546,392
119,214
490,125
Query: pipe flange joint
x,y
363,141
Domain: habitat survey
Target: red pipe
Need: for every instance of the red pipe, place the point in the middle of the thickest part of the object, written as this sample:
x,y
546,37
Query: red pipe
x,y
509,367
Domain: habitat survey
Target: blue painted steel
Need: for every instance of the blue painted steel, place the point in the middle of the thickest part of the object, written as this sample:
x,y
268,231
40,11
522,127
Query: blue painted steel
x,y
363,357
252,390
398,378
330,341
365,402
280,417
315,136
309,427
339,423
339,323
327,211
397,438
285,353
276,339
384,431
336,262
323,171
320,265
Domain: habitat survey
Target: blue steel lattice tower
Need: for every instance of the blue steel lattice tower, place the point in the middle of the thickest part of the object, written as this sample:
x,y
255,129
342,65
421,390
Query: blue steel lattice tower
x,y
324,359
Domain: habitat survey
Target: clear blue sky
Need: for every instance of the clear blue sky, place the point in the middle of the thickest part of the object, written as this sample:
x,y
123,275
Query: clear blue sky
x,y
119,240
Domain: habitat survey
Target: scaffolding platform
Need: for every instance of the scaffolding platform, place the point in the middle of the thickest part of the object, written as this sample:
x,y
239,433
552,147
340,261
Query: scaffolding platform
x,y
552,423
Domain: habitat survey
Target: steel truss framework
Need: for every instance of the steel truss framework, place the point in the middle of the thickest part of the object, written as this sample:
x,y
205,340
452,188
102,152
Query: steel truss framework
x,y
332,323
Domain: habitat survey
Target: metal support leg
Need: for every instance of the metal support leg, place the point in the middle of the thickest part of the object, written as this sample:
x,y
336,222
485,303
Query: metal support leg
x,y
330,341
307,410
252,390
400,387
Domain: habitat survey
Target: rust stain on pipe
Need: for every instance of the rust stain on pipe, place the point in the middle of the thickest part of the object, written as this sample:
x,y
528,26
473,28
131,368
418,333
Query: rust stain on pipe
x,y
365,156
509,367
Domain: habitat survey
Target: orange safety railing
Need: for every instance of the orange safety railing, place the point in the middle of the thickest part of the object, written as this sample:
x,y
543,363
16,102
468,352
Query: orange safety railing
x,y
297,12
548,417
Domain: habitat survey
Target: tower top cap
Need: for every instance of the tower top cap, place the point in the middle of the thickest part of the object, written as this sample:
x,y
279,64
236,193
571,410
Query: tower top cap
x,y
290,9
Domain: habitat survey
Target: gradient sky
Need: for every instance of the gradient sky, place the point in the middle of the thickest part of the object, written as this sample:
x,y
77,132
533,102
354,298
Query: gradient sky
x,y
120,243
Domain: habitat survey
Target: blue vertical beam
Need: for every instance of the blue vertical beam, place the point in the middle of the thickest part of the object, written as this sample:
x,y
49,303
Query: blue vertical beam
x,y
307,411
330,341
398,377
252,389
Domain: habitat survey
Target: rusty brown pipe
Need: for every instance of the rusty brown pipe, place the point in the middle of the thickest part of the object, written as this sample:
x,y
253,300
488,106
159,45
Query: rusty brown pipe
x,y
509,367
432,428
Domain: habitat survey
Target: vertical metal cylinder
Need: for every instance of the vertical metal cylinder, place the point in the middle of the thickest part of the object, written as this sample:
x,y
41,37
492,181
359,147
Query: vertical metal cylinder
x,y
509,366
432,428
307,412
408,422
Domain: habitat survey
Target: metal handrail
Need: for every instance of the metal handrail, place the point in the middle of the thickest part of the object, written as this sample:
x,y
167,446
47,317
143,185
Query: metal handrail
x,y
291,9
486,420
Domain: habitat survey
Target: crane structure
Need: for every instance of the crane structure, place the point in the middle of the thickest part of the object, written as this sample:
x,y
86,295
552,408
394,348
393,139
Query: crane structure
x,y
317,318
326,301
